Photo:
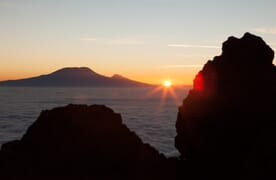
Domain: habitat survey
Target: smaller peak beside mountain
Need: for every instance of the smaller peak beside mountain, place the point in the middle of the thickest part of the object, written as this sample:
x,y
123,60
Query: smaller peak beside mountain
x,y
118,76
129,82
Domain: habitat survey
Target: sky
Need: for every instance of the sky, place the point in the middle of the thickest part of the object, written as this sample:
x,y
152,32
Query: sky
x,y
145,40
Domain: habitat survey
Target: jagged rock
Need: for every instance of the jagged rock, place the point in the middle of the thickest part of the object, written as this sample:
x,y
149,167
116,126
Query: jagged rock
x,y
80,141
226,126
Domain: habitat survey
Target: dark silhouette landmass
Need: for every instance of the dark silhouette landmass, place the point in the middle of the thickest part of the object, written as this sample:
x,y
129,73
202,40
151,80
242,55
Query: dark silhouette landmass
x,y
75,77
226,129
226,126
80,141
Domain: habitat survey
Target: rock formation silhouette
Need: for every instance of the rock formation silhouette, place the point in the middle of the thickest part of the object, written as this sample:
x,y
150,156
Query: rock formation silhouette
x,y
79,142
226,126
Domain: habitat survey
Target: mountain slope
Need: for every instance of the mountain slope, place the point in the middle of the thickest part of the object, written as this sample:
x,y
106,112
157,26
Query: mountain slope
x,y
73,76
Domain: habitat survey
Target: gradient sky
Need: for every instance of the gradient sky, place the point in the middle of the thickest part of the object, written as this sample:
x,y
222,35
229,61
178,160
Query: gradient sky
x,y
146,40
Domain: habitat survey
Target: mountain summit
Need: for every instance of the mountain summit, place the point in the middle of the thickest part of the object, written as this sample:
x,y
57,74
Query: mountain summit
x,y
75,77
75,70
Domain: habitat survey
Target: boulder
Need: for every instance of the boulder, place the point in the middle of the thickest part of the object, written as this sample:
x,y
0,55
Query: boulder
x,y
81,142
226,126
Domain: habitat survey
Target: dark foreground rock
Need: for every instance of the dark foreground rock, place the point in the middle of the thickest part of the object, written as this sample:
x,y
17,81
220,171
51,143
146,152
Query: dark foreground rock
x,y
226,126
81,142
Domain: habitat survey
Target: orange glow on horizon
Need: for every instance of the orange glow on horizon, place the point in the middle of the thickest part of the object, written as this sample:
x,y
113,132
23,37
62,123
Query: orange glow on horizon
x,y
149,76
154,79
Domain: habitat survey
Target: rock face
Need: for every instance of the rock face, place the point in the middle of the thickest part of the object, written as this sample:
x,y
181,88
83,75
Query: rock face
x,y
226,126
79,142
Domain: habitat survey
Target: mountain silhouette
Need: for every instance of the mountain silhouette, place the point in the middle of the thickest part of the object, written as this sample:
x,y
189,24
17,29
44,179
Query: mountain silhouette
x,y
226,124
76,76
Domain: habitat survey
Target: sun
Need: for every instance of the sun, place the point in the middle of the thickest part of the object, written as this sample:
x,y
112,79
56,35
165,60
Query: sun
x,y
167,89
167,83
